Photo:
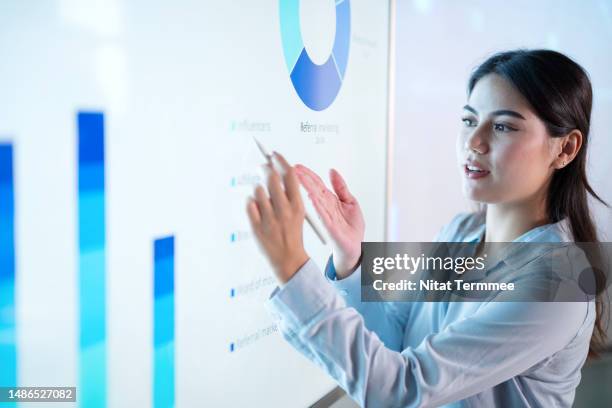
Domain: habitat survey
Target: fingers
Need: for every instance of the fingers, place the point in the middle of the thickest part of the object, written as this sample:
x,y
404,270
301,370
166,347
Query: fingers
x,y
340,187
323,212
253,213
263,204
325,202
280,204
290,180
311,181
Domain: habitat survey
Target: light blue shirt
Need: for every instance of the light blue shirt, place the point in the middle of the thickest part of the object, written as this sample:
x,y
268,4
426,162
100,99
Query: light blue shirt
x,y
423,354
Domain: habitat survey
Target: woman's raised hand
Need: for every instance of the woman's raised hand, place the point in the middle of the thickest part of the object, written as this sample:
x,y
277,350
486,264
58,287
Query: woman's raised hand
x,y
341,215
277,220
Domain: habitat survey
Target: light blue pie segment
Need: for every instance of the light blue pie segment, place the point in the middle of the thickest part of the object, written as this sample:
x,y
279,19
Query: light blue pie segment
x,y
291,34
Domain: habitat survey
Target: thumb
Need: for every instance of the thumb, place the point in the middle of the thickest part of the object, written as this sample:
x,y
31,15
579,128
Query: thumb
x,y
340,187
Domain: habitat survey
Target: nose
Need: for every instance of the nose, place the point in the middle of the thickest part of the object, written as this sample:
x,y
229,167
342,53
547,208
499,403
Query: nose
x,y
477,141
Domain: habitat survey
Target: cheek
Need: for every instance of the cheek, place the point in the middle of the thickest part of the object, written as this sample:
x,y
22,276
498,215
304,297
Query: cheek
x,y
509,158
522,161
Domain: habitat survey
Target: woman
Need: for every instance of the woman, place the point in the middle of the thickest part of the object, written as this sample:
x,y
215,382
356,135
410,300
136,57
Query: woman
x,y
522,150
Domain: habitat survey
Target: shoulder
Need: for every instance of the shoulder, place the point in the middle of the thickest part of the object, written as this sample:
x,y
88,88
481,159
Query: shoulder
x,y
461,226
559,231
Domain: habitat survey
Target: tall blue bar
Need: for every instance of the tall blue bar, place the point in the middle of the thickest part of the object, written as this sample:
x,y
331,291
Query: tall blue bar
x,y
163,322
92,260
8,344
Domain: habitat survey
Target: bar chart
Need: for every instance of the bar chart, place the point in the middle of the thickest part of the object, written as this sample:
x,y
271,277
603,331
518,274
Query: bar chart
x,y
163,323
94,297
92,259
8,350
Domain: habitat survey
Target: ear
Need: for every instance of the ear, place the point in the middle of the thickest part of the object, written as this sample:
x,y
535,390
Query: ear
x,y
570,146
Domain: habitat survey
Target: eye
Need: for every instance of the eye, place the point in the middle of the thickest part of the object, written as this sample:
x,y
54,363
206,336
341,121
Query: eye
x,y
468,122
501,127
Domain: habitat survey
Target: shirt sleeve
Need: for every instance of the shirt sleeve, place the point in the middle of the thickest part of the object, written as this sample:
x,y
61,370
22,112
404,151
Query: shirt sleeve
x,y
497,342
386,319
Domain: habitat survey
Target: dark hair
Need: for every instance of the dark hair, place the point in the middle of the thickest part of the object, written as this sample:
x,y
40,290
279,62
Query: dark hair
x,y
559,91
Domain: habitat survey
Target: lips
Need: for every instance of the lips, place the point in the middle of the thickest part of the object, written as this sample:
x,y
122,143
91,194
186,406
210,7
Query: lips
x,y
473,164
474,169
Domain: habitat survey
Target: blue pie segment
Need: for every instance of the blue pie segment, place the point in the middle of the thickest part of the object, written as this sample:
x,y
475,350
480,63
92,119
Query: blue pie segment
x,y
316,85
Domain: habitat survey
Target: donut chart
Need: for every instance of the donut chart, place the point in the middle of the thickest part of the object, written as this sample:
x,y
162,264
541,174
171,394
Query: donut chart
x,y
316,85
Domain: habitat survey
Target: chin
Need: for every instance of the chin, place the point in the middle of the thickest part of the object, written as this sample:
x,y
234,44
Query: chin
x,y
484,196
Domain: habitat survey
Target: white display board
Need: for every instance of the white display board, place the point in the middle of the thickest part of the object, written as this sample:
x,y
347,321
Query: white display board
x,y
129,122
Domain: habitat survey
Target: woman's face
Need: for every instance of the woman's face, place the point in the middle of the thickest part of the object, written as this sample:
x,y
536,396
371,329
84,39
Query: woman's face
x,y
504,151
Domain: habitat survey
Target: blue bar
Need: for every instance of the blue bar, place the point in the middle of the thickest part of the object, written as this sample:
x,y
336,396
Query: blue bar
x,y
163,322
8,344
92,260
91,137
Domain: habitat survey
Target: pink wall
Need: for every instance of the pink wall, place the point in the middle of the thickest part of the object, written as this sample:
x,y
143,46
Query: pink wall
x,y
437,45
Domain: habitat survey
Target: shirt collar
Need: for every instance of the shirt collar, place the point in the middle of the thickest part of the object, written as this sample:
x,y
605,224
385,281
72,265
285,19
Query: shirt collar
x,y
523,251
518,255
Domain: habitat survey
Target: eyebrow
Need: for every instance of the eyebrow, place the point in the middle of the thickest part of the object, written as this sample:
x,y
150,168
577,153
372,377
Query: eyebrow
x,y
497,112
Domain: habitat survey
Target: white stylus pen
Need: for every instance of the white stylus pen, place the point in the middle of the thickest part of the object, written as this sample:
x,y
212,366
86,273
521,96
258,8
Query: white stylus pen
x,y
314,227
